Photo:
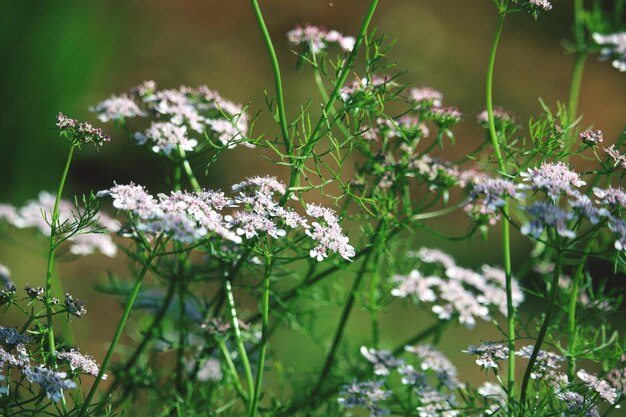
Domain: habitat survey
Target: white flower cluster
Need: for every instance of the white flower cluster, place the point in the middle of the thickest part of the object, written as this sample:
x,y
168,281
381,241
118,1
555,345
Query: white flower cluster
x,y
14,353
38,214
191,217
175,114
317,39
463,293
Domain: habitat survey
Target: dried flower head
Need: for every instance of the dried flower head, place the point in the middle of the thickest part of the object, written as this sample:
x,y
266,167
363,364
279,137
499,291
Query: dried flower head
x,y
74,306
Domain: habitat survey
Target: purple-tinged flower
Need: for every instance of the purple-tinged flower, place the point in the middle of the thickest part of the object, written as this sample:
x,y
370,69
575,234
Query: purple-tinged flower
x,y
489,354
592,138
612,198
415,284
328,234
52,382
251,224
117,108
430,256
547,215
11,337
366,395
147,87
434,404
382,360
545,364
614,48
264,185
600,386
425,97
502,118
433,360
133,198
615,155
166,137
374,85
444,116
406,127
583,204
316,39
491,193
618,226
80,133
410,376
552,178
578,405
79,362
617,377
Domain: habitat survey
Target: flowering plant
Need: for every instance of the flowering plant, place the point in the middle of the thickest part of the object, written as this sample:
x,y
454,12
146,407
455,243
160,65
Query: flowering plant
x,y
362,175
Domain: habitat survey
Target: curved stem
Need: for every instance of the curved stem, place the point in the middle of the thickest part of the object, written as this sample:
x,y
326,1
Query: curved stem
x,y
554,289
264,335
506,232
52,249
280,101
118,333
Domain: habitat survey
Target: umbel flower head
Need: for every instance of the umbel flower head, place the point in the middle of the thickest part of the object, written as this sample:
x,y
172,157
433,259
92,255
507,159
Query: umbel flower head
x,y
316,39
80,133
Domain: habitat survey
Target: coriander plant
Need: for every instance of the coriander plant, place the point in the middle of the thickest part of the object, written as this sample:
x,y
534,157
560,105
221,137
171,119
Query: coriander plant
x,y
215,274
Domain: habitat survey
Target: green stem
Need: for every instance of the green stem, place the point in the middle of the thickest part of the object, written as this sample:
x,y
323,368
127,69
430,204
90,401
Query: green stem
x,y
324,94
234,322
182,327
506,232
118,333
189,171
348,305
571,319
233,370
264,335
554,289
280,101
130,363
505,223
312,139
53,247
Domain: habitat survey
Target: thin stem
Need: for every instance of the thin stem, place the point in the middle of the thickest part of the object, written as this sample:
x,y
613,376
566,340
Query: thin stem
x,y
348,305
554,289
189,171
571,319
53,247
234,322
118,333
130,363
233,371
280,101
312,139
264,335
506,232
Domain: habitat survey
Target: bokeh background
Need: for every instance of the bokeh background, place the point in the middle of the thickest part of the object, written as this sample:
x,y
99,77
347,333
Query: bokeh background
x,y
67,55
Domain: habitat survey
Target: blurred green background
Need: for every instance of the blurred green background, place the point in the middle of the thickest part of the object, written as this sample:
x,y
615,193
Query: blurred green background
x,y
66,55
